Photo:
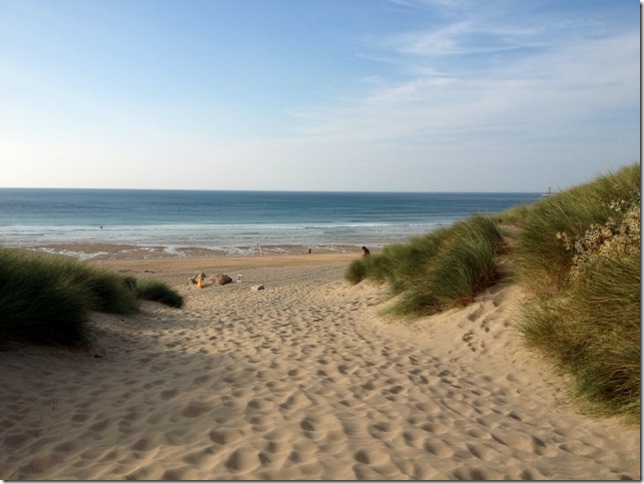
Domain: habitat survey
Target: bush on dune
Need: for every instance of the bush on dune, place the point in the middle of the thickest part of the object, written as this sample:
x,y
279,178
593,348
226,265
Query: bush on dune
x,y
48,299
591,330
41,300
606,317
543,261
461,266
576,253
443,269
407,263
588,321
398,264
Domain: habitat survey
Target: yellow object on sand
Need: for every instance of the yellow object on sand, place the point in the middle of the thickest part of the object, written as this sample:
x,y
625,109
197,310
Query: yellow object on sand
x,y
199,282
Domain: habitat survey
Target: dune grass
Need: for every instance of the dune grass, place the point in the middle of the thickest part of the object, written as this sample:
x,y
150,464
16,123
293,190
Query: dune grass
x,y
152,290
579,257
591,331
48,299
542,259
440,270
576,253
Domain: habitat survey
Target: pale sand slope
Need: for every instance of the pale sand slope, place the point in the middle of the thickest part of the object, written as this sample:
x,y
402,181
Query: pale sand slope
x,y
300,381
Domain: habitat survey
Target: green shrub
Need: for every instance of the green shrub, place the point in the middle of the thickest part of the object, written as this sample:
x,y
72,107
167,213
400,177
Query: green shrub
x,y
617,237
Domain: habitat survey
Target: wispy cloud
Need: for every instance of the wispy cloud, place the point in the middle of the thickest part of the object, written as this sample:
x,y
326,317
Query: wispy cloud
x,y
446,79
434,85
463,38
444,94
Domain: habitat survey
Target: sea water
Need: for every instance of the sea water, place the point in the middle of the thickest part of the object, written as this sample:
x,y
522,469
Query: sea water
x,y
234,221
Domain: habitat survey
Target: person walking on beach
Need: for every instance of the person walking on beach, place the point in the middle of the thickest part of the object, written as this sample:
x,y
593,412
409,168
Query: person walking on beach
x,y
365,251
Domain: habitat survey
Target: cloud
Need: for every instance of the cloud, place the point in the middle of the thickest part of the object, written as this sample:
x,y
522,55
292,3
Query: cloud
x,y
474,96
558,107
446,78
463,38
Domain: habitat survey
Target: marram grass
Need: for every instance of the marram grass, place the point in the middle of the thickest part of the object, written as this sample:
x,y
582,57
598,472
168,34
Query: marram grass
x,y
443,269
542,260
157,291
48,299
577,254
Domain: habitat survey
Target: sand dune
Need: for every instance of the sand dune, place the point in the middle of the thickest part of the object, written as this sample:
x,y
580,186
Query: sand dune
x,y
303,380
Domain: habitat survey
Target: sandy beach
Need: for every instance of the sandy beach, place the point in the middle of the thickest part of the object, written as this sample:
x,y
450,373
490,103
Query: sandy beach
x,y
304,379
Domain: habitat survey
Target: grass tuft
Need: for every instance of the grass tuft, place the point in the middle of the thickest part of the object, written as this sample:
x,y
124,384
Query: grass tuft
x,y
543,261
443,269
47,299
578,256
461,266
157,291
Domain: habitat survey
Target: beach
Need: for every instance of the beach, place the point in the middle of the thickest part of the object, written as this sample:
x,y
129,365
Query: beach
x,y
303,379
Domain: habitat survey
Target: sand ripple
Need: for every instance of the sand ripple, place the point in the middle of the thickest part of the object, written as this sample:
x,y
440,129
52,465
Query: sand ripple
x,y
300,381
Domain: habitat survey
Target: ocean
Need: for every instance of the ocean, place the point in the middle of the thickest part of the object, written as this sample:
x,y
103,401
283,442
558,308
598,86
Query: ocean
x,y
235,222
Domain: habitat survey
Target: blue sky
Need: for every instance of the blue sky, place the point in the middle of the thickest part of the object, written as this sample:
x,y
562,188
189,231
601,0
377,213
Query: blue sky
x,y
378,95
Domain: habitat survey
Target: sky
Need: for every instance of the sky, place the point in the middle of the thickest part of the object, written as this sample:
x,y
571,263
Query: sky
x,y
339,95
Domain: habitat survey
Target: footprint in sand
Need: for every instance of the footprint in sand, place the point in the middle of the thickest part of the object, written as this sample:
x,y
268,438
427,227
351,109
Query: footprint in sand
x,y
473,341
476,314
225,436
243,459
195,409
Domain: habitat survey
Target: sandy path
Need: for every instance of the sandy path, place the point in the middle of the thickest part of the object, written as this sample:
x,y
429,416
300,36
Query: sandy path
x,y
300,381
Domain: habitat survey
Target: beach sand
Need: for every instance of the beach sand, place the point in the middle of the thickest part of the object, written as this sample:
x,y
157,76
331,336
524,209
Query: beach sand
x,y
301,380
